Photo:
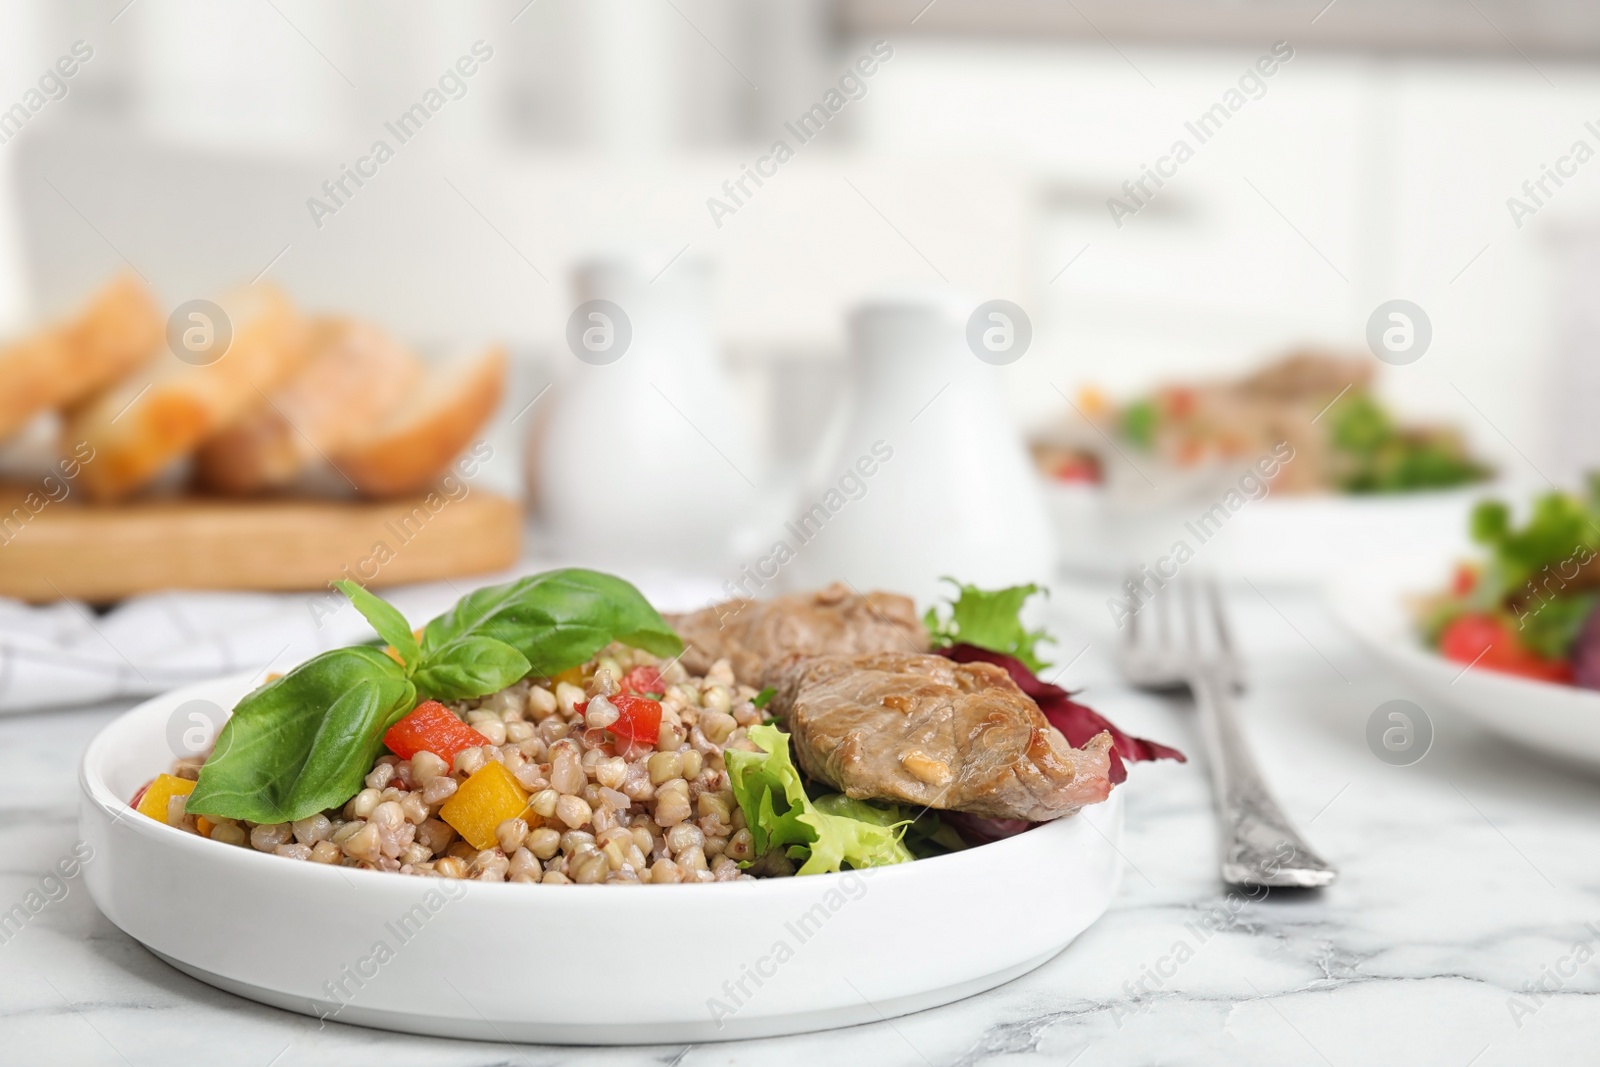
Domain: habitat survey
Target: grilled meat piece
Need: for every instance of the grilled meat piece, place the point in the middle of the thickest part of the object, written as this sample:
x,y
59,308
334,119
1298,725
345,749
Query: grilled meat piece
x,y
925,730
759,636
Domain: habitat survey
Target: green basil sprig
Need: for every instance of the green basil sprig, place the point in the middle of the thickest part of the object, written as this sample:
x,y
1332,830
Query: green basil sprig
x,y
305,742
386,619
473,666
557,620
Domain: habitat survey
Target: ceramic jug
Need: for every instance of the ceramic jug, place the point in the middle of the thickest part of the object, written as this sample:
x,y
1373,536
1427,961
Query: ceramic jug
x,y
930,476
644,457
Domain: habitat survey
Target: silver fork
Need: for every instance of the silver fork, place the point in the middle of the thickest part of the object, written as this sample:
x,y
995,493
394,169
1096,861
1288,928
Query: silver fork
x,y
1176,650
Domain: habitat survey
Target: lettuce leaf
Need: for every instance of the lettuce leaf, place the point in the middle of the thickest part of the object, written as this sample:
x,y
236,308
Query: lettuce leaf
x,y
1561,532
990,619
926,834
772,796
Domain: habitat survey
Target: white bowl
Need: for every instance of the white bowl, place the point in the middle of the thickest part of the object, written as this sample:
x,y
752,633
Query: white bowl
x,y
1280,538
578,964
1558,720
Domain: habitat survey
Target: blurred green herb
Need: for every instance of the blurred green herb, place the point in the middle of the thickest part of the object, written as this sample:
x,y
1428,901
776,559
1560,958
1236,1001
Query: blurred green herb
x,y
1139,422
1378,457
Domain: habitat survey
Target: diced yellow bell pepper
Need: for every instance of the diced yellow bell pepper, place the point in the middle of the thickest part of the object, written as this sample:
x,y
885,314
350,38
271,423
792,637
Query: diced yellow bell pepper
x,y
483,802
163,789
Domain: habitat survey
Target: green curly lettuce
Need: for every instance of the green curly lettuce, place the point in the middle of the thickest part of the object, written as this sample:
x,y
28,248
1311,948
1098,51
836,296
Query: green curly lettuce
x,y
990,619
780,815
1561,532
926,834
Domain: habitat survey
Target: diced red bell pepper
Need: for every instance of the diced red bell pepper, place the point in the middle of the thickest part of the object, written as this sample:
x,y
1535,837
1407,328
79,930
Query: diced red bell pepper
x,y
639,721
432,727
644,680
1487,642
1464,580
134,803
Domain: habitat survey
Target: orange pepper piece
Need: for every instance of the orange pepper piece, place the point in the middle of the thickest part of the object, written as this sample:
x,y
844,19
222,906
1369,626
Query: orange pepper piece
x,y
482,803
163,789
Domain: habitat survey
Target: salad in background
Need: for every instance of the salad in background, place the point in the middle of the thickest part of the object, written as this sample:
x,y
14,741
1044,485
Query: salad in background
x,y
1528,607
1344,439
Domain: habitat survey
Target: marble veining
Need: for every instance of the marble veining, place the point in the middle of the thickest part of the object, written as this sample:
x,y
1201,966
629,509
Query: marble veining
x,y
1469,891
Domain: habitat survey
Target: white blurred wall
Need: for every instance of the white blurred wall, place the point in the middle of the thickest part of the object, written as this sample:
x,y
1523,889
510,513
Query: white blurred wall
x,y
1350,182
1395,174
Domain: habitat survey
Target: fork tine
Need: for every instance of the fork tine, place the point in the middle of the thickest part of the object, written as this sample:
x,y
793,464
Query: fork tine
x,y
1192,637
1164,621
1131,641
1219,618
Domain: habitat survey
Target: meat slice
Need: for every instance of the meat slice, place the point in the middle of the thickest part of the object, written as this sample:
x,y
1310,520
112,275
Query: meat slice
x,y
758,637
925,730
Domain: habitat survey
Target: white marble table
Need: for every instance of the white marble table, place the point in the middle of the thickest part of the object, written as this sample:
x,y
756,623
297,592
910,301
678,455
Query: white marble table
x,y
1466,877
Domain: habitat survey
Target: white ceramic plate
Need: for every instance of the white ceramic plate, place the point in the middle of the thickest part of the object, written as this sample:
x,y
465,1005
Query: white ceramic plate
x,y
1559,720
578,964
1281,539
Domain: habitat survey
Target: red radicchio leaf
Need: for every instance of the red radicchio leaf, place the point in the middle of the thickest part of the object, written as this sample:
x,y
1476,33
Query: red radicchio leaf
x,y
1076,722
976,830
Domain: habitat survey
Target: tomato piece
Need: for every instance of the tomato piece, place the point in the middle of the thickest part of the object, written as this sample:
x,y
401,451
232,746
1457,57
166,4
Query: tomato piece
x,y
1469,637
1464,581
1180,402
1077,470
639,720
432,727
644,680
1490,643
134,803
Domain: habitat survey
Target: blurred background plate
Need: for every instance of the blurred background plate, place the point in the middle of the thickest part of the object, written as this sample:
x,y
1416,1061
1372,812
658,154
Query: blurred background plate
x,y
1561,721
1285,540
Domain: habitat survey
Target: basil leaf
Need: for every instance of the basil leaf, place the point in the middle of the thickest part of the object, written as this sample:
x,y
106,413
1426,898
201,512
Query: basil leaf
x,y
385,619
556,620
304,742
764,697
470,667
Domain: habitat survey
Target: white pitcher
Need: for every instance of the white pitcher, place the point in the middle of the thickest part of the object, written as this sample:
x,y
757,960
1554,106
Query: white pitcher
x,y
930,476
644,458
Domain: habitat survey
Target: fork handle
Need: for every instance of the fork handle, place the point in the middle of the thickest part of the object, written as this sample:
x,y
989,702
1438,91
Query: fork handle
x,y
1260,846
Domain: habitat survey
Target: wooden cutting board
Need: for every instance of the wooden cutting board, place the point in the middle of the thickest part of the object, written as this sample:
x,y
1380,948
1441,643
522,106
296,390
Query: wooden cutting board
x,y
53,549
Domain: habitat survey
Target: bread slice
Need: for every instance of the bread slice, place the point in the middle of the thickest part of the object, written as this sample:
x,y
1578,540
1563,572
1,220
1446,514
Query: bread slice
x,y
116,332
444,412
356,378
160,414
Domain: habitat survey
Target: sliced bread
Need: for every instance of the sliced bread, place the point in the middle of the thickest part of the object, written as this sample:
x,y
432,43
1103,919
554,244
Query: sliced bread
x,y
161,413
356,378
440,418
114,334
